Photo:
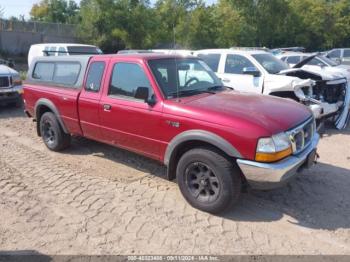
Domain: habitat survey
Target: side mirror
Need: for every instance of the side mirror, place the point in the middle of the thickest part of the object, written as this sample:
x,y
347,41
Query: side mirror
x,y
142,93
320,64
251,71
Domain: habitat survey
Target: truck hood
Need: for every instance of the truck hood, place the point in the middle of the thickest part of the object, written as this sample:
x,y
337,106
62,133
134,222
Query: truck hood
x,y
5,70
244,110
335,71
276,83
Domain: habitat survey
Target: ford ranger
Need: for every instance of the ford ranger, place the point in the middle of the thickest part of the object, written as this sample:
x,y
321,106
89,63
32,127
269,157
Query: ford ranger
x,y
173,109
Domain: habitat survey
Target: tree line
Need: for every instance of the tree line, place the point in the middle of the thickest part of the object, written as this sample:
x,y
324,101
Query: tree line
x,y
140,24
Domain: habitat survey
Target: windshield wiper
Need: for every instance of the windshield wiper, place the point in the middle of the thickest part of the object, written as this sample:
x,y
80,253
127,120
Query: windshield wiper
x,y
219,87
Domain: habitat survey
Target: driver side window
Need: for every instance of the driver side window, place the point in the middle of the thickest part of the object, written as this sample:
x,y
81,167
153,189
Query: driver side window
x,y
235,64
126,78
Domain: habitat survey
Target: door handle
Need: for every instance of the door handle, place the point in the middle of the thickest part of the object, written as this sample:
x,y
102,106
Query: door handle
x,y
107,107
225,80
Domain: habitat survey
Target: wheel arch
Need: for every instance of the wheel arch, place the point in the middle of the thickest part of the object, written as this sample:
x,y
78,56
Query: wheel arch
x,y
192,139
42,106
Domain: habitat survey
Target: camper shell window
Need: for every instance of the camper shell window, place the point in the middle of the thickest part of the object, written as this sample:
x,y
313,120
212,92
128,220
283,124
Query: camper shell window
x,y
59,72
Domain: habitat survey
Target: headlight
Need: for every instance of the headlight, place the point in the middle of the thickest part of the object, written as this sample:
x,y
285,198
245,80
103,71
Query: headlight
x,y
273,148
16,80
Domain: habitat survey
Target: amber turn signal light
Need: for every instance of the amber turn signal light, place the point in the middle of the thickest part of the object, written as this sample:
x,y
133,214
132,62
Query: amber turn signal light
x,y
273,157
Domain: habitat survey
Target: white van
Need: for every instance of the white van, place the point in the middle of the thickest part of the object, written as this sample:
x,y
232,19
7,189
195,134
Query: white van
x,y
57,49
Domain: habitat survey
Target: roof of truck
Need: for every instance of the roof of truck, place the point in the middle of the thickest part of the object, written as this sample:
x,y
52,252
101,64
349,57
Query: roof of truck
x,y
61,44
143,56
148,56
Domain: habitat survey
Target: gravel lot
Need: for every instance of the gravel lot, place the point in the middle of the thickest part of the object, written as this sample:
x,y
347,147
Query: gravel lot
x,y
96,199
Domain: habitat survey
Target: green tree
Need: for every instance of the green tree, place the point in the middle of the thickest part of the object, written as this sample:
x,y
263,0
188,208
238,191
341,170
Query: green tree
x,y
232,27
116,24
56,11
197,28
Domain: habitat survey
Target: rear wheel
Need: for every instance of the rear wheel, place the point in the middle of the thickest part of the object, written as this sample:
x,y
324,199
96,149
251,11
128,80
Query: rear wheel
x,y
52,133
208,180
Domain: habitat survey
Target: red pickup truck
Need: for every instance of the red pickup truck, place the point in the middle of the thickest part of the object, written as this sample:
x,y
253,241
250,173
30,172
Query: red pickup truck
x,y
175,110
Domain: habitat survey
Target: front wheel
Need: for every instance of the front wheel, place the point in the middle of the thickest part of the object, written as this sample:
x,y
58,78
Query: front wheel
x,y
208,180
52,133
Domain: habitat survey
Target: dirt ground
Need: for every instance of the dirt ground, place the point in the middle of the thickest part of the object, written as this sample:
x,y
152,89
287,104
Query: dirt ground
x,y
96,199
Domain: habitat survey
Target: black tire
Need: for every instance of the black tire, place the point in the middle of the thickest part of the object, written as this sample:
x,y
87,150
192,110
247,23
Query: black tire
x,y
52,133
214,195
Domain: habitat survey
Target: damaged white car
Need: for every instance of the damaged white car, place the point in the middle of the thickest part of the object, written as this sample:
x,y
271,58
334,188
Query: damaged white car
x,y
261,72
331,90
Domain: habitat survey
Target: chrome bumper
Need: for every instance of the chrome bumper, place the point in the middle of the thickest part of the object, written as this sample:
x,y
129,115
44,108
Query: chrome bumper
x,y
273,175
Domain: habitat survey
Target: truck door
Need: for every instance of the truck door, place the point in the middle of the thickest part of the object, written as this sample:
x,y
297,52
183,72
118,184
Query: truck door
x,y
126,121
231,72
90,98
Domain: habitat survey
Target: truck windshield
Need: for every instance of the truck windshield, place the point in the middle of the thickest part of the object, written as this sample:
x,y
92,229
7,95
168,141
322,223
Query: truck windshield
x,y
184,76
271,64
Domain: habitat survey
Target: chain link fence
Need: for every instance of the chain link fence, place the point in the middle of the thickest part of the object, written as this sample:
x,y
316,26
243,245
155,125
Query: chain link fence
x,y
67,30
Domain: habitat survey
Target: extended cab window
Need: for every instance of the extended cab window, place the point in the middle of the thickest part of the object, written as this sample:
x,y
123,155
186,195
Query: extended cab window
x,y
44,71
212,60
126,78
94,76
66,73
235,64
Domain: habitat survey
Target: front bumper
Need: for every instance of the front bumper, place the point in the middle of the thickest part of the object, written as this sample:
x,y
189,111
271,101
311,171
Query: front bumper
x,y
273,175
10,95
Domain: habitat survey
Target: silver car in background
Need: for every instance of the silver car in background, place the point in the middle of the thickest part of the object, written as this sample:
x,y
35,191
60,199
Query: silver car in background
x,y
10,86
339,55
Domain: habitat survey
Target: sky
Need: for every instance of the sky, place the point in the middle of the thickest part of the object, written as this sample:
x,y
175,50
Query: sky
x,y
22,7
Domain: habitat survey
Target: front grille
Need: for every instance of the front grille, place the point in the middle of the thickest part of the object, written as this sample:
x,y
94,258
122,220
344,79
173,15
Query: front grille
x,y
301,136
326,91
4,81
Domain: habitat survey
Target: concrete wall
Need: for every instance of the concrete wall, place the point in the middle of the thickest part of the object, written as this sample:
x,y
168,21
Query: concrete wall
x,y
18,43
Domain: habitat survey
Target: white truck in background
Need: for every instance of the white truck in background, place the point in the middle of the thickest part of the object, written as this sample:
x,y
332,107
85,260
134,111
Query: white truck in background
x,y
61,49
260,72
